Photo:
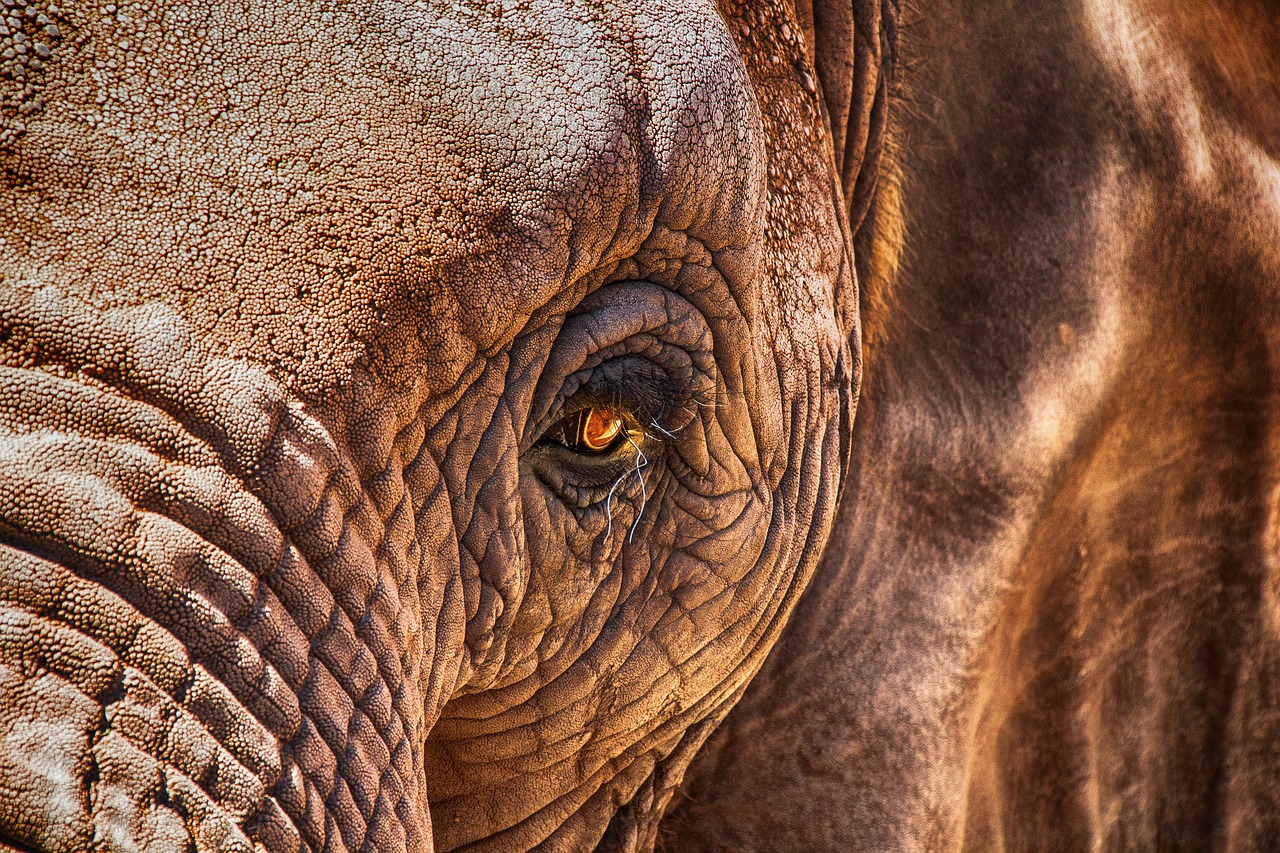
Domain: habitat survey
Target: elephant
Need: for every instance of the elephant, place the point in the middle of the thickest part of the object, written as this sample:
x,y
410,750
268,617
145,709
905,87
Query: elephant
x,y
1046,618
417,419
432,425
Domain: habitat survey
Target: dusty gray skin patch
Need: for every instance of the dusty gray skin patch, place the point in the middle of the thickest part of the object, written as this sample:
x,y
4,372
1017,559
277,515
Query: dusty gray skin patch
x,y
29,34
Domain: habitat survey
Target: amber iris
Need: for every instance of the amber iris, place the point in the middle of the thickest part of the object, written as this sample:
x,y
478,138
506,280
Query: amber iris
x,y
592,430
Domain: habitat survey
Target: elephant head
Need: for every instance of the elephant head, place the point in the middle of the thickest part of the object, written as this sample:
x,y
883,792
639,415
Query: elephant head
x,y
417,420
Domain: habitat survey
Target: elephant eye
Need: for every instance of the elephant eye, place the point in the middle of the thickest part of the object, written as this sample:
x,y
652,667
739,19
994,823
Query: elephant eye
x,y
597,429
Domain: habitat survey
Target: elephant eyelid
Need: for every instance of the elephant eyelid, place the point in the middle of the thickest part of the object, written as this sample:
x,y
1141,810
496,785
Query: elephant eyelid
x,y
640,389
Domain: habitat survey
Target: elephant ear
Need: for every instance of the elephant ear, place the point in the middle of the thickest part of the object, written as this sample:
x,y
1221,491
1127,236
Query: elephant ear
x,y
852,45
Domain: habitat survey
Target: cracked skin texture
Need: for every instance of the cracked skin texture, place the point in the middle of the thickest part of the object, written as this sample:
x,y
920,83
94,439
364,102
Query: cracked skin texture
x,y
289,294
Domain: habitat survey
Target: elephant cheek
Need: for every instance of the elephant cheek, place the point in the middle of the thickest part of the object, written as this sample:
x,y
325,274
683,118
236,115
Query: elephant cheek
x,y
210,635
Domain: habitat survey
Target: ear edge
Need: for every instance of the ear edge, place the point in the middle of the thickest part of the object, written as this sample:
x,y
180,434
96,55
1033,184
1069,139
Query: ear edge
x,y
854,45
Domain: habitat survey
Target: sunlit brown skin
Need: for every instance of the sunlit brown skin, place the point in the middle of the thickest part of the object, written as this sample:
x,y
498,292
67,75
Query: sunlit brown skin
x,y
1048,619
292,296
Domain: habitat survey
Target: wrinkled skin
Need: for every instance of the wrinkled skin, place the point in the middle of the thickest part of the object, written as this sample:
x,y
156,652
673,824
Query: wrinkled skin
x,y
290,293
1048,617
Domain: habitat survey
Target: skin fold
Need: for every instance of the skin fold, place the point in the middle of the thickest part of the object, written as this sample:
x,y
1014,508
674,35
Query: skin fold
x,y
290,295
1047,618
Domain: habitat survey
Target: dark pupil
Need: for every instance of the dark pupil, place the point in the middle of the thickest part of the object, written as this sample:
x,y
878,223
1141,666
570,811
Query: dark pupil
x,y
592,430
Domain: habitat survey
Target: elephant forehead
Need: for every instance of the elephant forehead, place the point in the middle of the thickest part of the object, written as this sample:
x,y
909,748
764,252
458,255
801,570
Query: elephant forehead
x,y
576,127
301,180
548,94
